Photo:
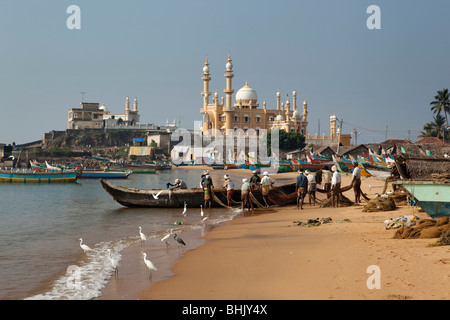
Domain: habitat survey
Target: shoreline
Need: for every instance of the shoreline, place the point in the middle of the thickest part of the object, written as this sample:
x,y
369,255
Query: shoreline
x,y
267,256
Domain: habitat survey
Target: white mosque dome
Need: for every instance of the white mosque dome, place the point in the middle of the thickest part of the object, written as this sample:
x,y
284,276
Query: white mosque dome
x,y
246,93
205,69
295,114
279,118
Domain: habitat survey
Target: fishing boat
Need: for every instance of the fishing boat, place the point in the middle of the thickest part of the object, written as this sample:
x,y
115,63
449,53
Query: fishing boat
x,y
379,172
432,196
311,166
148,198
18,176
427,179
100,174
134,169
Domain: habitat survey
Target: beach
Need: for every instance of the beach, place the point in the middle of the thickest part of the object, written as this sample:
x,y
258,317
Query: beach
x,y
267,255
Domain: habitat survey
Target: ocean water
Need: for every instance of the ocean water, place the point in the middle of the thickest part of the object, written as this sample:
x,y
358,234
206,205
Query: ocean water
x,y
40,228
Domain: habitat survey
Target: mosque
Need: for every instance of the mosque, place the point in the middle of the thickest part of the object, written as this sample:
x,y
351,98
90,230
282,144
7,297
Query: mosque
x,y
246,113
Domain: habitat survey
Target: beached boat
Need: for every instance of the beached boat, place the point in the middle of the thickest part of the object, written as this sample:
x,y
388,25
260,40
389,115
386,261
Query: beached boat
x,y
379,172
432,196
132,197
18,176
100,174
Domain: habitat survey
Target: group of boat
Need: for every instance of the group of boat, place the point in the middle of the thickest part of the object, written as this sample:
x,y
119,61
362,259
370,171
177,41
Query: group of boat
x,y
48,173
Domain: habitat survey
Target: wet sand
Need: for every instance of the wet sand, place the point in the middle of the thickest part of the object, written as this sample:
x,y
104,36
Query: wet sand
x,y
268,256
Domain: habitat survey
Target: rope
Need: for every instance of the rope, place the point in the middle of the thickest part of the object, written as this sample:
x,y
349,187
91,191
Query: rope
x,y
255,201
218,200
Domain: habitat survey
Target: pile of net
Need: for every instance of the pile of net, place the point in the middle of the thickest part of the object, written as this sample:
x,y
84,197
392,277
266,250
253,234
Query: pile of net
x,y
381,203
280,198
426,228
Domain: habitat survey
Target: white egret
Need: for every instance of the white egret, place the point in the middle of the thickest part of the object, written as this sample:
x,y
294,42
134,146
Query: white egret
x,y
114,263
185,209
166,237
83,246
157,195
150,265
201,211
143,237
204,220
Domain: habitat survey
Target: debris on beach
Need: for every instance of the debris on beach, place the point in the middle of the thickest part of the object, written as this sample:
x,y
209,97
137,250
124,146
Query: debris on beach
x,y
426,228
314,222
401,221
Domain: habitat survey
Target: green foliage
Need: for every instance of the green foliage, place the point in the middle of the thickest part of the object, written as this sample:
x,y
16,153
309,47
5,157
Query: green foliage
x,y
439,126
288,141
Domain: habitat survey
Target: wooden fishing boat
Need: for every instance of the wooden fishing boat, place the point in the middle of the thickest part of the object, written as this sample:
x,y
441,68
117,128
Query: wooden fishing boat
x,y
100,174
132,197
311,166
432,196
17,176
379,172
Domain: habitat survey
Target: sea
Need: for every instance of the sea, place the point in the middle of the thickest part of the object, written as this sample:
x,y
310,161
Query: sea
x,y
41,226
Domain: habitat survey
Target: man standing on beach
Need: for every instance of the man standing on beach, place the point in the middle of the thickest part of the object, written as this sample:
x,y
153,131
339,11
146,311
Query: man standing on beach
x,y
335,187
245,195
326,177
266,185
255,180
229,186
207,186
356,183
301,187
312,186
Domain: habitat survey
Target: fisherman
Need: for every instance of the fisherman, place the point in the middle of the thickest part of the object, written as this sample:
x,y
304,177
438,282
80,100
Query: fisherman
x,y
335,187
312,186
301,186
178,184
356,183
245,195
266,185
229,186
207,186
255,180
326,178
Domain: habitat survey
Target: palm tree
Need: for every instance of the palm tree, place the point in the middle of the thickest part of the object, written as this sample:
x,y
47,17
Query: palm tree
x,y
433,129
441,104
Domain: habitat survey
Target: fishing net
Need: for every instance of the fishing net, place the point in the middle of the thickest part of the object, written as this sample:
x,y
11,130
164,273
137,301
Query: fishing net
x,y
380,204
427,228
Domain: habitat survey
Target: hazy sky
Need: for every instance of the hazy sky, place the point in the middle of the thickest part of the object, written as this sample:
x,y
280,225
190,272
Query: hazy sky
x,y
155,51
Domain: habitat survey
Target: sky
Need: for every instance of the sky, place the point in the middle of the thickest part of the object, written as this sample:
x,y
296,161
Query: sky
x,y
379,82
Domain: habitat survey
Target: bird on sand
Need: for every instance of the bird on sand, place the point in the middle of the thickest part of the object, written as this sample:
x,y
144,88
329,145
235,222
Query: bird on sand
x,y
143,237
114,263
84,247
178,239
149,265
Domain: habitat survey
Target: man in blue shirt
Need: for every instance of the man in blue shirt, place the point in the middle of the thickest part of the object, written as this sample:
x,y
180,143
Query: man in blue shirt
x,y
301,187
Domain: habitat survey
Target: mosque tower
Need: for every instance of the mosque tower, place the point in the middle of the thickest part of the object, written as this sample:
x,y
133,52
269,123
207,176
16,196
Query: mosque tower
x,y
228,93
206,78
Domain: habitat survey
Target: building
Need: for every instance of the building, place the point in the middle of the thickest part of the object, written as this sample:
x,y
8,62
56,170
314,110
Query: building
x,y
94,116
245,113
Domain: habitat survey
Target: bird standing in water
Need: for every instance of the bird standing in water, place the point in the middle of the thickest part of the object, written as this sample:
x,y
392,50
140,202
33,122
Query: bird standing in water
x,y
149,265
143,237
178,239
84,247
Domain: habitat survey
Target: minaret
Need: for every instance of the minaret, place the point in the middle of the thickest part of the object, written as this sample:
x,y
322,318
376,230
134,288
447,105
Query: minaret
x,y
228,93
287,109
206,78
278,100
135,105
305,110
127,105
294,100
333,126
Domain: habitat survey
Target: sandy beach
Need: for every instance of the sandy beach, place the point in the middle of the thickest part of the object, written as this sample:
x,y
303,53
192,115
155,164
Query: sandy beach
x,y
267,255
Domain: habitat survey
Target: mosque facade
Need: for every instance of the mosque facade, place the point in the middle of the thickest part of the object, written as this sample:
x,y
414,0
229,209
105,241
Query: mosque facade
x,y
245,113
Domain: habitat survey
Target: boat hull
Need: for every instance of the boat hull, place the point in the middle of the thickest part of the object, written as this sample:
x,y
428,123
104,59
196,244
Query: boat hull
x,y
104,174
432,196
37,177
132,197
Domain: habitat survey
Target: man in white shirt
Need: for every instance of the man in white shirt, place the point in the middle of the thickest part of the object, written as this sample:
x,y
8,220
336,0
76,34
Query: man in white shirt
x,y
266,185
356,183
335,187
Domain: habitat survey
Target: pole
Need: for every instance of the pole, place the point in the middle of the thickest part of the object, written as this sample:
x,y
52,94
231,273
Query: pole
x,y
339,137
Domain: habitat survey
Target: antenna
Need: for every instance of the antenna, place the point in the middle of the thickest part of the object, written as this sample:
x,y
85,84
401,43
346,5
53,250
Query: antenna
x,y
82,95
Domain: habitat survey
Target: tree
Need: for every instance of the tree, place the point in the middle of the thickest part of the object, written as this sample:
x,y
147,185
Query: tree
x,y
441,104
287,141
434,128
